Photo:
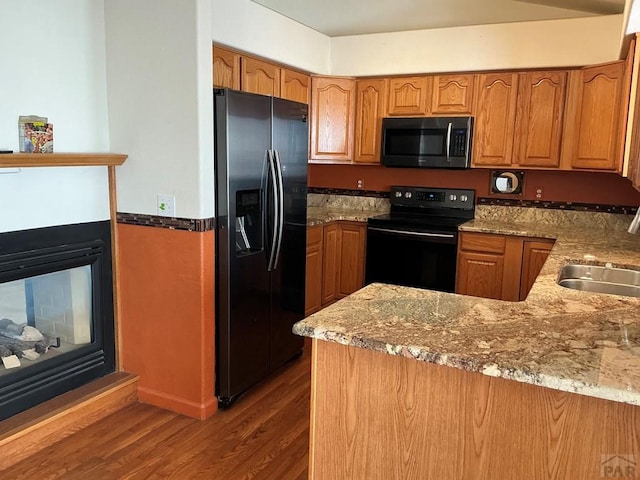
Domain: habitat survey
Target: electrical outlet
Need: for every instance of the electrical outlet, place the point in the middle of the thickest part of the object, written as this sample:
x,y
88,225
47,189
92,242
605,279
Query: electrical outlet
x,y
166,205
360,184
539,193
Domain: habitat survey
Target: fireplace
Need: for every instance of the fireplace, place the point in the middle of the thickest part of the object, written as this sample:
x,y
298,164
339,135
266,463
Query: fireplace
x,y
56,312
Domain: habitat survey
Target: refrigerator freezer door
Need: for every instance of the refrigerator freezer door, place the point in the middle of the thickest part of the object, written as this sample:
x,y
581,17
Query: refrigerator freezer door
x,y
290,143
243,135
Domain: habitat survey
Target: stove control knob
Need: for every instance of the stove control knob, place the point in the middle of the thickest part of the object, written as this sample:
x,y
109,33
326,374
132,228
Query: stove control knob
x,y
398,194
452,197
463,198
407,195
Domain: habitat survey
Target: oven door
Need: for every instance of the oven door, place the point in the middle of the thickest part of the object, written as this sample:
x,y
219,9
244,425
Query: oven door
x,y
413,258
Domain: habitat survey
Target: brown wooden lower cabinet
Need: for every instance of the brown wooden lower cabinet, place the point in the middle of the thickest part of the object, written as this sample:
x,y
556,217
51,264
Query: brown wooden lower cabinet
x,y
330,261
335,262
480,274
534,254
379,416
503,267
313,288
351,241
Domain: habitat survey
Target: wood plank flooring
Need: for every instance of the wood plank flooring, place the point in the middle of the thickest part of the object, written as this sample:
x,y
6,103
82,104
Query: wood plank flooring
x,y
265,435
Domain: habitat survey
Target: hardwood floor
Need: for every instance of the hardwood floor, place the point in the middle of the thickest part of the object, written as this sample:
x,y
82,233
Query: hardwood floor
x,y
265,435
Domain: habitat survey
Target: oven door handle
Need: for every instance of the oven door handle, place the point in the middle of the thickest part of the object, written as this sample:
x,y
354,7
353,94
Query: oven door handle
x,y
414,234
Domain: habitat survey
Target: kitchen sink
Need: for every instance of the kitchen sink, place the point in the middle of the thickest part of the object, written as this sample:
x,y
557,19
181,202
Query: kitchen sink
x,y
598,279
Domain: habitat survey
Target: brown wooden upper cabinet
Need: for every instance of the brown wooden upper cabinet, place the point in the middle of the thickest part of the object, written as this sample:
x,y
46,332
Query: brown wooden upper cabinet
x,y
226,68
453,94
294,85
409,96
596,116
540,108
519,119
260,77
370,107
333,105
495,119
242,72
632,146
431,95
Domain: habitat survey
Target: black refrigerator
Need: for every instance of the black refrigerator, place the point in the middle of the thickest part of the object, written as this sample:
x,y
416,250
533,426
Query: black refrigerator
x,y
261,209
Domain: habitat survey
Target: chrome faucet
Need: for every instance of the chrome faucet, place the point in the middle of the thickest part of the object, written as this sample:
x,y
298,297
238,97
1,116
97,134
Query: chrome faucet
x,y
635,223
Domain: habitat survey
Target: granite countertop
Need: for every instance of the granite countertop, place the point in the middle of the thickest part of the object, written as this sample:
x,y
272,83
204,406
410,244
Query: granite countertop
x,y
558,338
323,209
322,215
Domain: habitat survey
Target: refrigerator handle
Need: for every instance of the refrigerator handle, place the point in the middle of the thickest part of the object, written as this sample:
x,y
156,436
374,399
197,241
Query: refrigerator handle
x,y
276,216
280,207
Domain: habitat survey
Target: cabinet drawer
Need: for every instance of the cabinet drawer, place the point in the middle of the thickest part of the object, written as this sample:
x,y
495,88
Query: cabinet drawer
x,y
482,242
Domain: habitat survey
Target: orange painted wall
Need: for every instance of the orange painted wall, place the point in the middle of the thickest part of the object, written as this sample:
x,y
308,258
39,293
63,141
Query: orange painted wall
x,y
166,316
577,187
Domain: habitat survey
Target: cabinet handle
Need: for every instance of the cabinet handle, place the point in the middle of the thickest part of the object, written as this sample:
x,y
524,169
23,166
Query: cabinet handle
x,y
280,225
413,234
276,213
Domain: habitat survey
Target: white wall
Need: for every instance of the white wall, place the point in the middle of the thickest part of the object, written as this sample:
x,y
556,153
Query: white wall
x,y
53,64
161,103
253,28
553,43
632,14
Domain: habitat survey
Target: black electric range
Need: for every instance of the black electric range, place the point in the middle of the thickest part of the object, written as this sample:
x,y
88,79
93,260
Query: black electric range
x,y
415,244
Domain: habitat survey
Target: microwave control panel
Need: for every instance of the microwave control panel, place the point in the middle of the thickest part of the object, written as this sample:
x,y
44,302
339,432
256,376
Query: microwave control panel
x,y
458,146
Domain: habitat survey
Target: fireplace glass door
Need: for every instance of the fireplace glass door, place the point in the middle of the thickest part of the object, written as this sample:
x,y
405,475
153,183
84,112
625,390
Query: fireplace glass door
x,y
44,316
56,312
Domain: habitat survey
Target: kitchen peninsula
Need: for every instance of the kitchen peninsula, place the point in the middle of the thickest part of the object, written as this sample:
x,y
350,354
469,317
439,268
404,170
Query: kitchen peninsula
x,y
411,383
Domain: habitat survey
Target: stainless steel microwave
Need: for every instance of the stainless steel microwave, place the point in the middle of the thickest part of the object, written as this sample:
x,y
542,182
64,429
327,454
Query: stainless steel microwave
x,y
427,142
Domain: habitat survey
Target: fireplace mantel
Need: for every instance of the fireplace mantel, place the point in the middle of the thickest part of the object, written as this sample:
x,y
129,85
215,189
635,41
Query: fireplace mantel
x,y
19,160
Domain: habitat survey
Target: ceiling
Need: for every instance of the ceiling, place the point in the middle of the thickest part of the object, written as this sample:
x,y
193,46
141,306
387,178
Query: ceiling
x,y
356,17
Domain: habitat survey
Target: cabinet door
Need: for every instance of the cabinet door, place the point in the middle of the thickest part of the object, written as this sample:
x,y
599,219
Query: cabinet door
x,y
294,85
495,119
480,274
409,96
226,68
632,142
539,118
534,254
370,102
633,139
351,242
313,287
333,103
453,94
330,262
260,77
594,128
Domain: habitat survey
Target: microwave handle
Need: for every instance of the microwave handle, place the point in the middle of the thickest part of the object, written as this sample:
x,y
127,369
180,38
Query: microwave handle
x,y
448,139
